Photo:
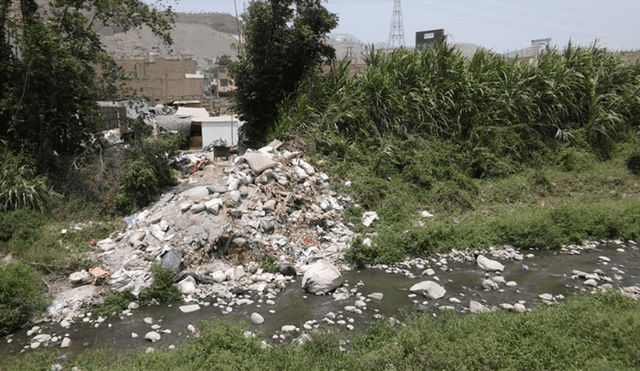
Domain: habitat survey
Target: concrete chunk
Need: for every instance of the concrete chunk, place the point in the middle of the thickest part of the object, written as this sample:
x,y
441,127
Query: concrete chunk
x,y
259,162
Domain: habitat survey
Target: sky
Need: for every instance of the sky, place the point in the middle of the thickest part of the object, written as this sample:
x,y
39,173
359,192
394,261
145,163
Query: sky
x,y
499,25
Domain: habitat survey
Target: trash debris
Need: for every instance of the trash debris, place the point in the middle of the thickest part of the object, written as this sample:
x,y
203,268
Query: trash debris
x,y
368,217
98,274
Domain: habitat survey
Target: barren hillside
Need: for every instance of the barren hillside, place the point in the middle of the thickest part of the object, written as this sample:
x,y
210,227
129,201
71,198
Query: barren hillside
x,y
195,36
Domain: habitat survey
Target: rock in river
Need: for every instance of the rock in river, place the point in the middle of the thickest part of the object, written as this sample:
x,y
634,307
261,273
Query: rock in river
x,y
321,277
488,264
429,289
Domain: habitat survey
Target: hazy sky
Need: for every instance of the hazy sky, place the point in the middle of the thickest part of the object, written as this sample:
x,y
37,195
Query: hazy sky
x,y
500,25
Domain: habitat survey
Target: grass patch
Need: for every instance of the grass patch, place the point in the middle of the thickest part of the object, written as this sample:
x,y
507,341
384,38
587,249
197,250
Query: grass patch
x,y
36,238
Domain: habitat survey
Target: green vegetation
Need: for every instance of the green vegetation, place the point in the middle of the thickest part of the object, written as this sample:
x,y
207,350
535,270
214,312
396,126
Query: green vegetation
x,y
284,43
114,302
20,186
162,287
530,154
49,82
269,264
20,296
592,332
146,171
36,238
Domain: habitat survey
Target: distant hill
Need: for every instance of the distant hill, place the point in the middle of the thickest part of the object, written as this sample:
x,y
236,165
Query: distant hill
x,y
202,37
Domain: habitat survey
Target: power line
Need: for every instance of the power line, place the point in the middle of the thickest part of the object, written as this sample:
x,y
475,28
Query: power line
x,y
504,23
535,16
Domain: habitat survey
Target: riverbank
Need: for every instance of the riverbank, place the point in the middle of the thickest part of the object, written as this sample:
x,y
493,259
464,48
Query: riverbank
x,y
587,332
312,228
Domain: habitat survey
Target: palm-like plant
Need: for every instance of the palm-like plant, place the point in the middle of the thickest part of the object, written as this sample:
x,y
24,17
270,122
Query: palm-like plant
x,y
20,186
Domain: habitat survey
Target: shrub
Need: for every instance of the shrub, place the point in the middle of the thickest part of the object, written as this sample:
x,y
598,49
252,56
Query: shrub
x,y
115,302
269,264
162,288
147,171
20,186
20,296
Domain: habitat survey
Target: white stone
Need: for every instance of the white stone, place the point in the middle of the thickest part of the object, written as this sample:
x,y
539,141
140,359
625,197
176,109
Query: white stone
x,y
475,307
519,307
429,289
256,318
134,335
512,284
604,258
80,278
507,306
152,336
288,328
189,308
65,342
547,297
219,276
188,286
591,282
376,295
321,277
429,272
488,264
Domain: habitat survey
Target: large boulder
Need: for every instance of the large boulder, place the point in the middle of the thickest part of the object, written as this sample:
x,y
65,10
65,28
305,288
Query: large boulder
x,y
321,277
429,289
488,264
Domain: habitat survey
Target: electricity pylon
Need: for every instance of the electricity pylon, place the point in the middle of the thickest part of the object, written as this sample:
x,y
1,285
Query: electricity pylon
x,y
396,35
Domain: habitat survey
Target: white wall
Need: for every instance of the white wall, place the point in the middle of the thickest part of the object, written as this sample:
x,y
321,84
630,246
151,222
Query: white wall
x,y
220,127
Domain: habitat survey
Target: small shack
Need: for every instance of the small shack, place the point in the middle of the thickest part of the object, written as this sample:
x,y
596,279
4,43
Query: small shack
x,y
195,116
220,127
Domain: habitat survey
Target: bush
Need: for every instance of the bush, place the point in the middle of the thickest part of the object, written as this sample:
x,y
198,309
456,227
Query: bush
x,y
147,171
21,224
115,302
269,264
162,288
20,186
20,296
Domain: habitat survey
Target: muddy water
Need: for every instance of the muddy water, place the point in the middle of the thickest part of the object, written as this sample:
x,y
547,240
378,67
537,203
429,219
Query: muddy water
x,y
544,272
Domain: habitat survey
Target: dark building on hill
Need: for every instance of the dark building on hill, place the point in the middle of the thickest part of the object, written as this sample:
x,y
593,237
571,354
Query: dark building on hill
x,y
428,38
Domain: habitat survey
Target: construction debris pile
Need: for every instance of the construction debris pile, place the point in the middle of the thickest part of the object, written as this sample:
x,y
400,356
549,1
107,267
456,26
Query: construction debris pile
x,y
266,203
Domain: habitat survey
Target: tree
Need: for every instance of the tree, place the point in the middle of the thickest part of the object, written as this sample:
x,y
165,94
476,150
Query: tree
x,y
49,83
285,42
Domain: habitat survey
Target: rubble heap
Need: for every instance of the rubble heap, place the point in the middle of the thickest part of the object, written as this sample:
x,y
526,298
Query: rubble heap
x,y
266,203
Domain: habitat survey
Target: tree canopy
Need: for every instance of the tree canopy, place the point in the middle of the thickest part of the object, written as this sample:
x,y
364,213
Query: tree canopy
x,y
285,41
49,58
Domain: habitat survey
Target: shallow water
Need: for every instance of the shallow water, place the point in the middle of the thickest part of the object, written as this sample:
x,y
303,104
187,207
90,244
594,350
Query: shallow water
x,y
545,272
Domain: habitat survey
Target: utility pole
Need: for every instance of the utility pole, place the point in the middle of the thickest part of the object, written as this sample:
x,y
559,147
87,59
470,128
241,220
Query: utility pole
x,y
396,35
